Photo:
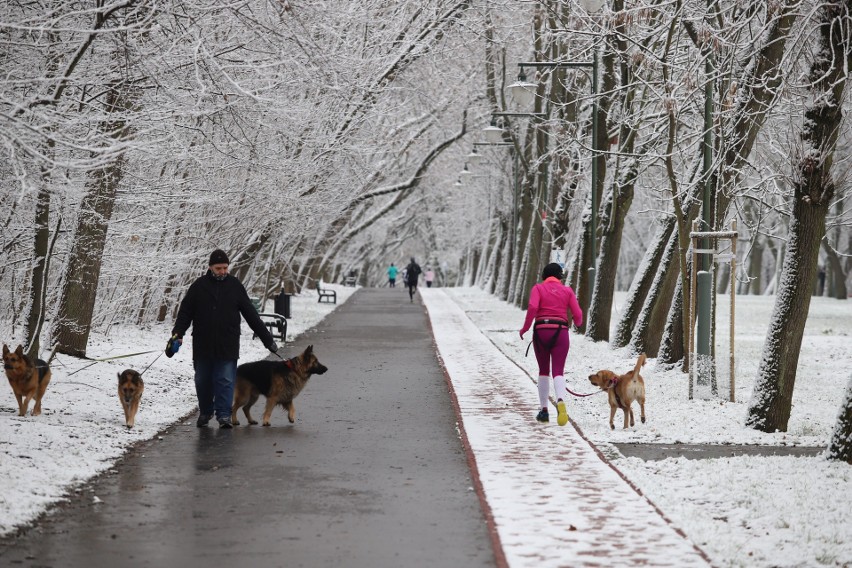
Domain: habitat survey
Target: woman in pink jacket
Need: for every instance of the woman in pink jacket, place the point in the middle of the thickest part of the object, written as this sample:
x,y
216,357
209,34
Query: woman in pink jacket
x,y
552,305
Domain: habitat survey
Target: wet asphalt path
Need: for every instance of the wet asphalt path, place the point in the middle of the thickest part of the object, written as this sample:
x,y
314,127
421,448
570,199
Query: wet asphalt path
x,y
372,474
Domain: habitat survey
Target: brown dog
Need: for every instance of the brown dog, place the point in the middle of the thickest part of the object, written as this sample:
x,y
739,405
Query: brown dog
x,y
130,388
622,391
278,381
29,379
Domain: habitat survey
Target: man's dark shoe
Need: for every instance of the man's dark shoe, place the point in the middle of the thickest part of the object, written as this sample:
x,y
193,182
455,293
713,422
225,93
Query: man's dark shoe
x,y
202,421
543,415
225,423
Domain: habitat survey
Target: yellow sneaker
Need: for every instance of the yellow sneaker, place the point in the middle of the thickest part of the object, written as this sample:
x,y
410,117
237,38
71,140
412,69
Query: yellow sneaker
x,y
561,414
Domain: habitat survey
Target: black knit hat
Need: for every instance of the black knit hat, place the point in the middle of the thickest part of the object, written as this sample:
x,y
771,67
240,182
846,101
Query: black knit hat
x,y
552,269
218,256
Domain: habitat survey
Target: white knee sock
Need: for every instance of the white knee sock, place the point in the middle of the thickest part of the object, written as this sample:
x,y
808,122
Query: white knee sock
x,y
559,386
543,390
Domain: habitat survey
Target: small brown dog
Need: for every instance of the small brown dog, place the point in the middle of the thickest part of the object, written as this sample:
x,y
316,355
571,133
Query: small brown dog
x,y
28,378
278,381
130,388
622,391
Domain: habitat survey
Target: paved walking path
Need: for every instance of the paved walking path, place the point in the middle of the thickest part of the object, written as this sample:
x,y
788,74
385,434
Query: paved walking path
x,y
373,473
553,499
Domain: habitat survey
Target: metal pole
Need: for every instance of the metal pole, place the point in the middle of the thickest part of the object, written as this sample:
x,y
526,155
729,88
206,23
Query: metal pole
x,y
733,302
514,202
595,156
704,301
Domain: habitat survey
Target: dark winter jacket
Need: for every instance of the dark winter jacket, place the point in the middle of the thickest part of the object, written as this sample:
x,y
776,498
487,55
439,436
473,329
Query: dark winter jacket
x,y
213,309
412,271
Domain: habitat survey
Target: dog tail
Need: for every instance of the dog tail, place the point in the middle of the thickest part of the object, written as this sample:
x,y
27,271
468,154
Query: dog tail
x,y
639,363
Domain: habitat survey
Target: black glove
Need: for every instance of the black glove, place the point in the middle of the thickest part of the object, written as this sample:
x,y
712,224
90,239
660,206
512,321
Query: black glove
x,y
172,345
273,347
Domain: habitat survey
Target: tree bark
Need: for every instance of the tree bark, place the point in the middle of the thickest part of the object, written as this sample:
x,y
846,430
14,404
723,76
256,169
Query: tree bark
x,y
80,288
600,313
38,276
813,190
835,273
840,447
672,348
648,331
642,282
755,268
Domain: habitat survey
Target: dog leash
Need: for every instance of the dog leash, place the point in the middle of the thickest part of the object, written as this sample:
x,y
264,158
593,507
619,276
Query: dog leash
x,y
96,361
587,394
152,362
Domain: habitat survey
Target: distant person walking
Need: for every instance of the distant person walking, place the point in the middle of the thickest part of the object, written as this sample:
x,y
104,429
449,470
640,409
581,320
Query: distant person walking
x,y
392,271
553,306
412,272
213,305
429,277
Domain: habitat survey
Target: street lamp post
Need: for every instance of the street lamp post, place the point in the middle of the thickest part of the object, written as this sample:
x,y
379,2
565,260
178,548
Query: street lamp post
x,y
514,179
496,133
521,89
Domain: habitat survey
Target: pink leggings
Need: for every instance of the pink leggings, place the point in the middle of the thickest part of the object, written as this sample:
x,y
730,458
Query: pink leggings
x,y
544,354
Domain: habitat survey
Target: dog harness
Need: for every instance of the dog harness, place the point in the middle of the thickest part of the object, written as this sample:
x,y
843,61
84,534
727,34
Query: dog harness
x,y
612,384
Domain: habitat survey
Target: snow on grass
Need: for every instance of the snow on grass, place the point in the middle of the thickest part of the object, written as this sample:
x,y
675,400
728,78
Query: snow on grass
x,y
81,431
742,511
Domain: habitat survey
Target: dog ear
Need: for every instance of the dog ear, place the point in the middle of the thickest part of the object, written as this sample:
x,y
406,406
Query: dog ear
x,y
309,350
19,351
119,377
5,350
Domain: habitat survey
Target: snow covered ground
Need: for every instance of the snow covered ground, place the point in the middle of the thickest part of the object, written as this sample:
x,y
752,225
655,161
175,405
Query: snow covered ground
x,y
741,511
744,511
82,432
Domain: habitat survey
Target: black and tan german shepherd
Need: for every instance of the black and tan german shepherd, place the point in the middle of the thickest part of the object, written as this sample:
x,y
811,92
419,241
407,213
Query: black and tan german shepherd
x,y
130,388
279,381
28,378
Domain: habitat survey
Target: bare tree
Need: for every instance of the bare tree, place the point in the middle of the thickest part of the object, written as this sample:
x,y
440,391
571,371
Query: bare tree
x,y
813,190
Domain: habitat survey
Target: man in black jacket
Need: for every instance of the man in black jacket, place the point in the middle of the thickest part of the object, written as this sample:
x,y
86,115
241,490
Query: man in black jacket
x,y
212,306
412,271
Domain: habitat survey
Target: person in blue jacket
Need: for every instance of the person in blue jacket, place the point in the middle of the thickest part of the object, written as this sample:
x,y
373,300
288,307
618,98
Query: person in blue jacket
x,y
392,272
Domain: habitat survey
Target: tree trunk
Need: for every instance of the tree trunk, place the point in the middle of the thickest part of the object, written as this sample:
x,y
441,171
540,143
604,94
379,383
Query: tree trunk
x,y
835,273
840,447
648,331
642,282
612,221
38,276
813,190
755,268
80,288
600,313
672,348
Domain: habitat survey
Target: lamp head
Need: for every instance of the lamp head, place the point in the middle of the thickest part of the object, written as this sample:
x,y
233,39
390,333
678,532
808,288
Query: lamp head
x,y
493,133
522,91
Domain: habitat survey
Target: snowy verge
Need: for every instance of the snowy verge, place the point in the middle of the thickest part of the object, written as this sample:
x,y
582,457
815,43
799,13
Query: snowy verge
x,y
82,433
743,511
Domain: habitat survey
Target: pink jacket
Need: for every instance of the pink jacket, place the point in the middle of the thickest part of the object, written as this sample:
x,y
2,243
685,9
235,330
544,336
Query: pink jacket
x,y
552,300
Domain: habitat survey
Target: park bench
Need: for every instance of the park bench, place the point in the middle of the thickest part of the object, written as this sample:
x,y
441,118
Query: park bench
x,y
326,294
277,325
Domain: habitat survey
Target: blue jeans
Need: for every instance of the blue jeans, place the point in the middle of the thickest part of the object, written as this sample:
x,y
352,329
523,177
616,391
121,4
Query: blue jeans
x,y
214,386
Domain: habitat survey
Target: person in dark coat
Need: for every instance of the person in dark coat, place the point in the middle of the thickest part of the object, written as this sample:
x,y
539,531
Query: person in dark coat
x,y
213,305
412,272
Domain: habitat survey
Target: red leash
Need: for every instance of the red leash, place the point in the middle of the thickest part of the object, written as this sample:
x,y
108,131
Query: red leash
x,y
611,384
